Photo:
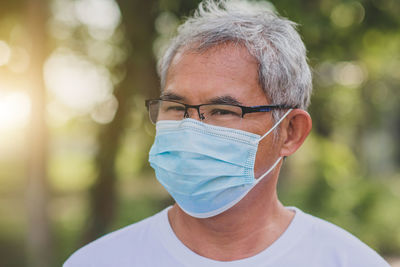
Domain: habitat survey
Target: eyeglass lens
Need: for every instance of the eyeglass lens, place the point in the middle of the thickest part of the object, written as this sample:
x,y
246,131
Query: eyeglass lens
x,y
215,114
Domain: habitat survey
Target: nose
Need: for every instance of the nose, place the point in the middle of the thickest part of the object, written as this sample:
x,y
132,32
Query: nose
x,y
191,112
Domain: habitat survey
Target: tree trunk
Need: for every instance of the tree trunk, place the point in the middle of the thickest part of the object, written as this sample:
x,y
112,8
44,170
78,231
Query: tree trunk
x,y
39,236
138,21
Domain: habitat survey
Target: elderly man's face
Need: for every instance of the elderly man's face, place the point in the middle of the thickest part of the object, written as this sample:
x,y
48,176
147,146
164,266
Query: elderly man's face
x,y
226,71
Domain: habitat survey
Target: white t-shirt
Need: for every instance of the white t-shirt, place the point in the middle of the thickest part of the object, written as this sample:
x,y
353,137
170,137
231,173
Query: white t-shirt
x,y
308,241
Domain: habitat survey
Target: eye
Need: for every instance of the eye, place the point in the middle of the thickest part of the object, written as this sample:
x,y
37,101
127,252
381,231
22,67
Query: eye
x,y
175,108
223,112
171,107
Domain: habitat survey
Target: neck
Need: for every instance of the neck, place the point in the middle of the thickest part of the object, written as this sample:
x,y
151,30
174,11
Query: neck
x,y
242,231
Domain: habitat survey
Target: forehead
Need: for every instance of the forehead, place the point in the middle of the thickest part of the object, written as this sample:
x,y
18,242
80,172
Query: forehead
x,y
223,70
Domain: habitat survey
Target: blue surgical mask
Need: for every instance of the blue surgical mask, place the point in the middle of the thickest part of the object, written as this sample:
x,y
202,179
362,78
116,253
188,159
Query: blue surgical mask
x,y
207,169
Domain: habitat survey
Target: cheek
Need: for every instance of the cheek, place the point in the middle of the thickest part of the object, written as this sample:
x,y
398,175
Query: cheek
x,y
267,154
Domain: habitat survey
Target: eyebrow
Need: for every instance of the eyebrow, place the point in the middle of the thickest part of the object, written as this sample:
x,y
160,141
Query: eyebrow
x,y
226,99
171,96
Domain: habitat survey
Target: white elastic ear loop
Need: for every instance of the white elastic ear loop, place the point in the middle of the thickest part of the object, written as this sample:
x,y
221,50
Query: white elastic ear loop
x,y
276,124
267,172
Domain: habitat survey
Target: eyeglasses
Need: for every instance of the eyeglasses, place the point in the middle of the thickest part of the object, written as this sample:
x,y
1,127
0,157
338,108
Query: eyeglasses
x,y
227,115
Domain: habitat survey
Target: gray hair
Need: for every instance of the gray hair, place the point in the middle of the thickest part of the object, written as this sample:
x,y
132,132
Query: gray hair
x,y
273,41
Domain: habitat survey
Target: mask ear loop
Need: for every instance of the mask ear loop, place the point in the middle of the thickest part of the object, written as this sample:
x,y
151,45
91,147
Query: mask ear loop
x,y
280,158
267,172
276,124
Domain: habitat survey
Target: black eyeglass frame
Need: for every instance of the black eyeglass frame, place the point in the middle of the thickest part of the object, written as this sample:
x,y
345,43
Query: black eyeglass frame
x,y
245,109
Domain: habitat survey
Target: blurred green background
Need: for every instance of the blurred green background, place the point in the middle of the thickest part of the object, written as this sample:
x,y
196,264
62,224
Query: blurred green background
x,y
74,133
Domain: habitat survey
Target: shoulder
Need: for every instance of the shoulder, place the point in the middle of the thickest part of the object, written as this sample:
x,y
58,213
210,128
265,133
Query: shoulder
x,y
331,241
116,246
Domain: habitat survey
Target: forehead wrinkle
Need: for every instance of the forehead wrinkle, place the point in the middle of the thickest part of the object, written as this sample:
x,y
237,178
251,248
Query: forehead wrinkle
x,y
239,51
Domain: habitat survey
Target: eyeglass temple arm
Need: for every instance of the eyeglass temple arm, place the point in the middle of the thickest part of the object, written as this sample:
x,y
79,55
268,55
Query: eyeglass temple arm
x,y
266,108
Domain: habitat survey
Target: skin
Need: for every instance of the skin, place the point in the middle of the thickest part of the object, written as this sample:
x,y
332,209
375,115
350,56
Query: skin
x,y
259,219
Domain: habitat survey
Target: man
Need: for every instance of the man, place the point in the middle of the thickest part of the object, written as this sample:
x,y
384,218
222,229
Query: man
x,y
235,88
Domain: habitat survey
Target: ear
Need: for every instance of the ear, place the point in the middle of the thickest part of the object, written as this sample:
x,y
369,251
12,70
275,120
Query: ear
x,y
294,131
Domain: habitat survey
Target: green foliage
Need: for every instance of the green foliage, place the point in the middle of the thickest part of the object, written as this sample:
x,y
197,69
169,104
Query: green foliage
x,y
325,180
348,168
